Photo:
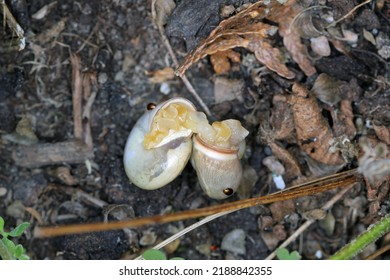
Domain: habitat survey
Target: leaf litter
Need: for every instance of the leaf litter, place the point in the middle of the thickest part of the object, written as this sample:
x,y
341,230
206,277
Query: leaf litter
x,y
312,121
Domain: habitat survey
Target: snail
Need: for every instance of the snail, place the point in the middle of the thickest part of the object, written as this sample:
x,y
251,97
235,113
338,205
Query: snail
x,y
216,159
159,147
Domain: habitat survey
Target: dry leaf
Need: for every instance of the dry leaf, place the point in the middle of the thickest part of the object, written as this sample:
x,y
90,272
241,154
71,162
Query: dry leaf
x,y
161,75
383,133
221,60
245,30
313,132
327,89
42,12
281,119
293,169
343,120
291,35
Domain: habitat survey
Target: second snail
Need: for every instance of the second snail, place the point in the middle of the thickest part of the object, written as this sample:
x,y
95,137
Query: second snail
x,y
168,135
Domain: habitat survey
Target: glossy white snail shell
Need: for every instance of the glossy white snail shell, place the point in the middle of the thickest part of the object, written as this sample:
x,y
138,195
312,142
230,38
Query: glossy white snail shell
x,y
218,169
155,167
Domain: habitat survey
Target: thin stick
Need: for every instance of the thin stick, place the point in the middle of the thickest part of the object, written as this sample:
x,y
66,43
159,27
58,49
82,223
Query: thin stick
x,y
308,223
188,229
89,91
310,188
77,97
348,14
379,252
184,78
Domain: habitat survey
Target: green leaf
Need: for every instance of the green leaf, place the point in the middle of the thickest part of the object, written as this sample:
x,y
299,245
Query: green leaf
x,y
284,254
177,258
19,251
24,257
1,224
153,254
19,229
9,244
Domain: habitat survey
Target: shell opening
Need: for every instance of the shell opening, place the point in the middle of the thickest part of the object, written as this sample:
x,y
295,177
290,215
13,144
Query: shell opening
x,y
168,120
179,117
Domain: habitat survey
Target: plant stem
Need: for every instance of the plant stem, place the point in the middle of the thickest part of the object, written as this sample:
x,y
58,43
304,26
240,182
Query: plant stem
x,y
5,254
373,233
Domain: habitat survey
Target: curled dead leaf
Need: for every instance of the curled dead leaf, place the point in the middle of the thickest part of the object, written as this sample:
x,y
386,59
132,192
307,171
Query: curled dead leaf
x,y
313,132
161,75
246,30
221,60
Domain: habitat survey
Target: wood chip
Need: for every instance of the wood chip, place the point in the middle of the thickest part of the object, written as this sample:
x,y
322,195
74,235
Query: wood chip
x,y
46,154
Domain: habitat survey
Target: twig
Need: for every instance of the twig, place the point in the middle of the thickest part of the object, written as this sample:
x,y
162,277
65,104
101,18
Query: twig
x,y
379,252
38,155
187,230
305,225
77,97
89,92
183,77
309,188
348,14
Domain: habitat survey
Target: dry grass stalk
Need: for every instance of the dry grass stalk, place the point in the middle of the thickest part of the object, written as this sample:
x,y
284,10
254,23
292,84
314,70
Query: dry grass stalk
x,y
324,184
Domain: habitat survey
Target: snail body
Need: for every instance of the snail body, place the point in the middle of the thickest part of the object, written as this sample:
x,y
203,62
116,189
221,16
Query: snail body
x,y
155,153
217,163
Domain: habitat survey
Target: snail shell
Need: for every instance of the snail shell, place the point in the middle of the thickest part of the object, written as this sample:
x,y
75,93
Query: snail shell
x,y
218,168
154,164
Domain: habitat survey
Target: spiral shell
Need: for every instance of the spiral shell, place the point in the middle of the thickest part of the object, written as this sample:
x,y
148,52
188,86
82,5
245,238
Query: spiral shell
x,y
153,159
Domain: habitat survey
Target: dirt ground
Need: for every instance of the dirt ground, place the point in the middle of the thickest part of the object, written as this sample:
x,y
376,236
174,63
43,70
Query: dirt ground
x,y
118,50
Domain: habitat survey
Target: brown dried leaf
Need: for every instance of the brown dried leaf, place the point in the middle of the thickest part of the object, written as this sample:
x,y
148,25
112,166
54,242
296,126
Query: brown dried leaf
x,y
291,35
161,75
292,167
281,209
281,119
221,60
313,132
383,133
343,120
245,30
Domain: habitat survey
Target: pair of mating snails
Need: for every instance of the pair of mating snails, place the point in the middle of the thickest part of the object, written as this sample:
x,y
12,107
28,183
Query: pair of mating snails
x,y
169,134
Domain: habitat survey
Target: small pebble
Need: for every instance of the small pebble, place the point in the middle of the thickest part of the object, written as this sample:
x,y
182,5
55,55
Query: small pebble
x,y
102,78
165,88
3,191
318,254
234,242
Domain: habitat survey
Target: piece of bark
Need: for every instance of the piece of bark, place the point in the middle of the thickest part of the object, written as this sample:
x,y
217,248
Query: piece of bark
x,y
46,154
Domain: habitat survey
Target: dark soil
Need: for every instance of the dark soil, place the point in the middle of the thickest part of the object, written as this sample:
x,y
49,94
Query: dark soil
x,y
118,41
